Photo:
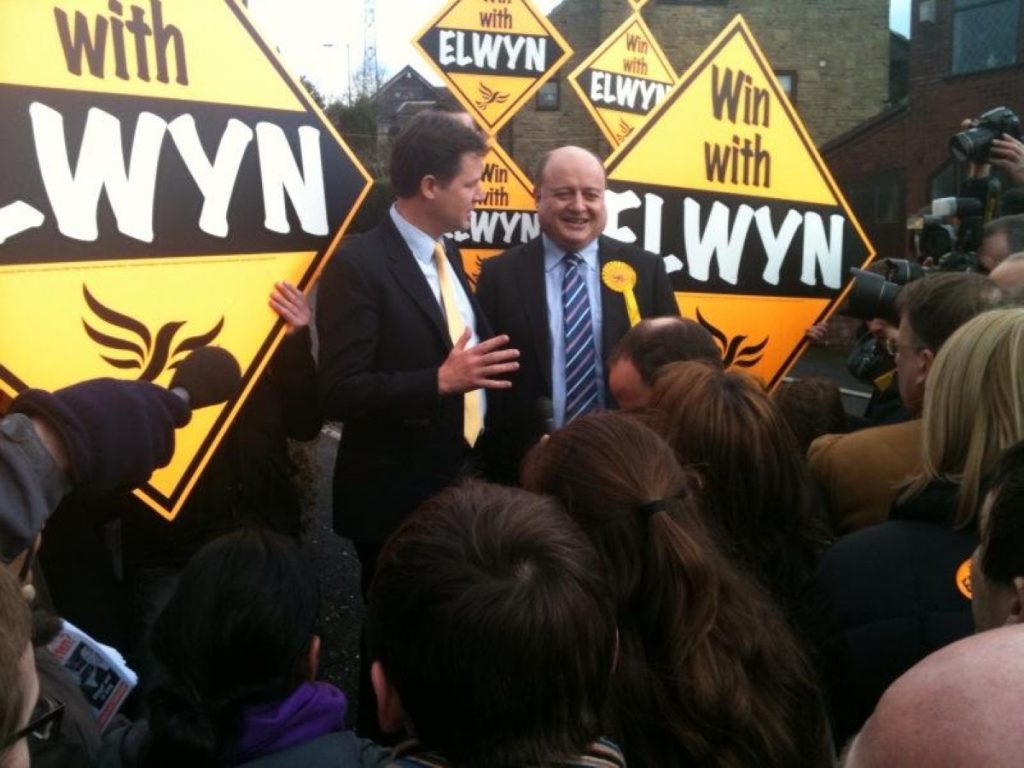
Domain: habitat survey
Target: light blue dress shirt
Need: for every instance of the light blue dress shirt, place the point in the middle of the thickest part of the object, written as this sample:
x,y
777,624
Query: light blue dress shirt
x,y
422,246
554,275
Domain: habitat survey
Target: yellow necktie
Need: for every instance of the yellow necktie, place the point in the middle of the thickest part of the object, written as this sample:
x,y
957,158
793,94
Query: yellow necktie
x,y
473,402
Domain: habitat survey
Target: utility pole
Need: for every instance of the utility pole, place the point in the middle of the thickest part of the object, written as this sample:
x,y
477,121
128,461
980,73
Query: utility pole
x,y
370,84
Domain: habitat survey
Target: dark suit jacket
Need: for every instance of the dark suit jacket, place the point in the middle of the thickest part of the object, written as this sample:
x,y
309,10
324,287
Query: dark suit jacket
x,y
512,293
382,339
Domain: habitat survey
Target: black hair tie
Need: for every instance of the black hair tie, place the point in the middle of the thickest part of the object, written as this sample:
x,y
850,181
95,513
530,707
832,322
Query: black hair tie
x,y
651,508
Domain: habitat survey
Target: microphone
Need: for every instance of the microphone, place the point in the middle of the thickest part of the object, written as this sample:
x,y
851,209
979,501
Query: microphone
x,y
546,409
208,376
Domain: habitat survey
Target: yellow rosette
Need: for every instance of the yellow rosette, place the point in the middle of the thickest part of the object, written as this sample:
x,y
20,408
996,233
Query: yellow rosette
x,y
621,278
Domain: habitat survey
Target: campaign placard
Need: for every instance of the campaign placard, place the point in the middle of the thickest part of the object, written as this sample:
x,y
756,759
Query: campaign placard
x,y
507,215
724,182
493,55
623,80
159,171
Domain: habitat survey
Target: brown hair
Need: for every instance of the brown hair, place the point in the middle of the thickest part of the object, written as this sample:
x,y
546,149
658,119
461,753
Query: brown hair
x,y
812,407
432,144
755,481
491,619
14,639
938,304
708,671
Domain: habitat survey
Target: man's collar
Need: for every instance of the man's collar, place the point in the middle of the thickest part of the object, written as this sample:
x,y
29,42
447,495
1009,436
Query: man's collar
x,y
420,243
553,254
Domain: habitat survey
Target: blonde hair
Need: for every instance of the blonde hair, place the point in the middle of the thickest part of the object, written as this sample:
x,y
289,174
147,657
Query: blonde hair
x,y
973,406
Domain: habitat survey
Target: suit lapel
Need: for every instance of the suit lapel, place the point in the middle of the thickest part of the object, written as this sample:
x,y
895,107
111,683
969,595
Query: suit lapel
x,y
614,320
483,328
410,278
533,290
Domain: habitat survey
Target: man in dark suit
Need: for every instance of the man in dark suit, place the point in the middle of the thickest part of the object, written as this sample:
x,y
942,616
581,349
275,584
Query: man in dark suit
x,y
405,351
562,300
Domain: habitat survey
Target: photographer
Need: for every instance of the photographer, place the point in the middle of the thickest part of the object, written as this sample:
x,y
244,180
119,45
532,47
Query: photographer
x,y
860,472
1007,154
1000,238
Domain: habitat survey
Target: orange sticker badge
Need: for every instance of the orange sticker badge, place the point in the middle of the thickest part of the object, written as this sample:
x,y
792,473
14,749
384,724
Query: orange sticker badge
x,y
963,578
154,185
724,182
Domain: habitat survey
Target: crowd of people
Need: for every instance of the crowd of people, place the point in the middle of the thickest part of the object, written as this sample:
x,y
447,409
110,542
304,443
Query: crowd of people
x,y
582,540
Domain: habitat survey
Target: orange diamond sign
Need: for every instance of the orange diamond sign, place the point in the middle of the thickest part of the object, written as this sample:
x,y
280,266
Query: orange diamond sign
x,y
506,217
725,183
493,54
622,81
159,171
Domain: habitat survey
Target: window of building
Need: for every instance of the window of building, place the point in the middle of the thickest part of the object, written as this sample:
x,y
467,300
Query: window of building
x,y
787,79
878,199
549,96
984,34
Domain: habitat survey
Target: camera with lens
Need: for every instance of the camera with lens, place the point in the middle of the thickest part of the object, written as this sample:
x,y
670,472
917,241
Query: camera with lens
x,y
874,295
973,144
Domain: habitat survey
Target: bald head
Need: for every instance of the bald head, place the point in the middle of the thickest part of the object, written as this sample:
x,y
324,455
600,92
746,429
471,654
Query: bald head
x,y
1009,274
646,348
958,707
570,197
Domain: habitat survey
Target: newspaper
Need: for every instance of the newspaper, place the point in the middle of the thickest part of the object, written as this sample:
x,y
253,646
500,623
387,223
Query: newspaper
x,y
100,671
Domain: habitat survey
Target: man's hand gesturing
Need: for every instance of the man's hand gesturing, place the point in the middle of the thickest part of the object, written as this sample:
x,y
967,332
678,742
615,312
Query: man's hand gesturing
x,y
466,369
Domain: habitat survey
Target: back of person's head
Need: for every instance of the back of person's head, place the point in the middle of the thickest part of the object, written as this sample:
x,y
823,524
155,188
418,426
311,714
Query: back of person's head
x,y
937,304
997,570
655,342
647,347
812,407
16,669
432,144
755,480
236,631
957,707
973,406
693,684
490,622
1011,225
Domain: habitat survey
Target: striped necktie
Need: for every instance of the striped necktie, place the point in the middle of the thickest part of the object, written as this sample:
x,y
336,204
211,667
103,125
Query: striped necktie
x,y
472,402
580,353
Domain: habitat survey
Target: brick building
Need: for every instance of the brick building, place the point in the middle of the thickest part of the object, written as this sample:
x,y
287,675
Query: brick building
x,y
966,56
832,56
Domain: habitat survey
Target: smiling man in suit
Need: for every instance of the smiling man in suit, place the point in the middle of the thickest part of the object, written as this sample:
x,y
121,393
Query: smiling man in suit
x,y
405,352
561,298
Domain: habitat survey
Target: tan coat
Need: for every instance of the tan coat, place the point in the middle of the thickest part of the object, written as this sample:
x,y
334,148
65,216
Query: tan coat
x,y
861,472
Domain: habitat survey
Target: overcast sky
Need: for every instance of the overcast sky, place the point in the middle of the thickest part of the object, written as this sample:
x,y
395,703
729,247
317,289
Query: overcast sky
x,y
321,38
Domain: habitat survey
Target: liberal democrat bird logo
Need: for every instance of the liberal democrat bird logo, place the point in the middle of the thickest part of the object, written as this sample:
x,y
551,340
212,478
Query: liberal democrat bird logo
x,y
134,347
624,130
488,97
734,352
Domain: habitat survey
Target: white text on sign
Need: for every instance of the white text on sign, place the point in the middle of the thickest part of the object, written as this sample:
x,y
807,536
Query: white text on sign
x,y
492,52
723,238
